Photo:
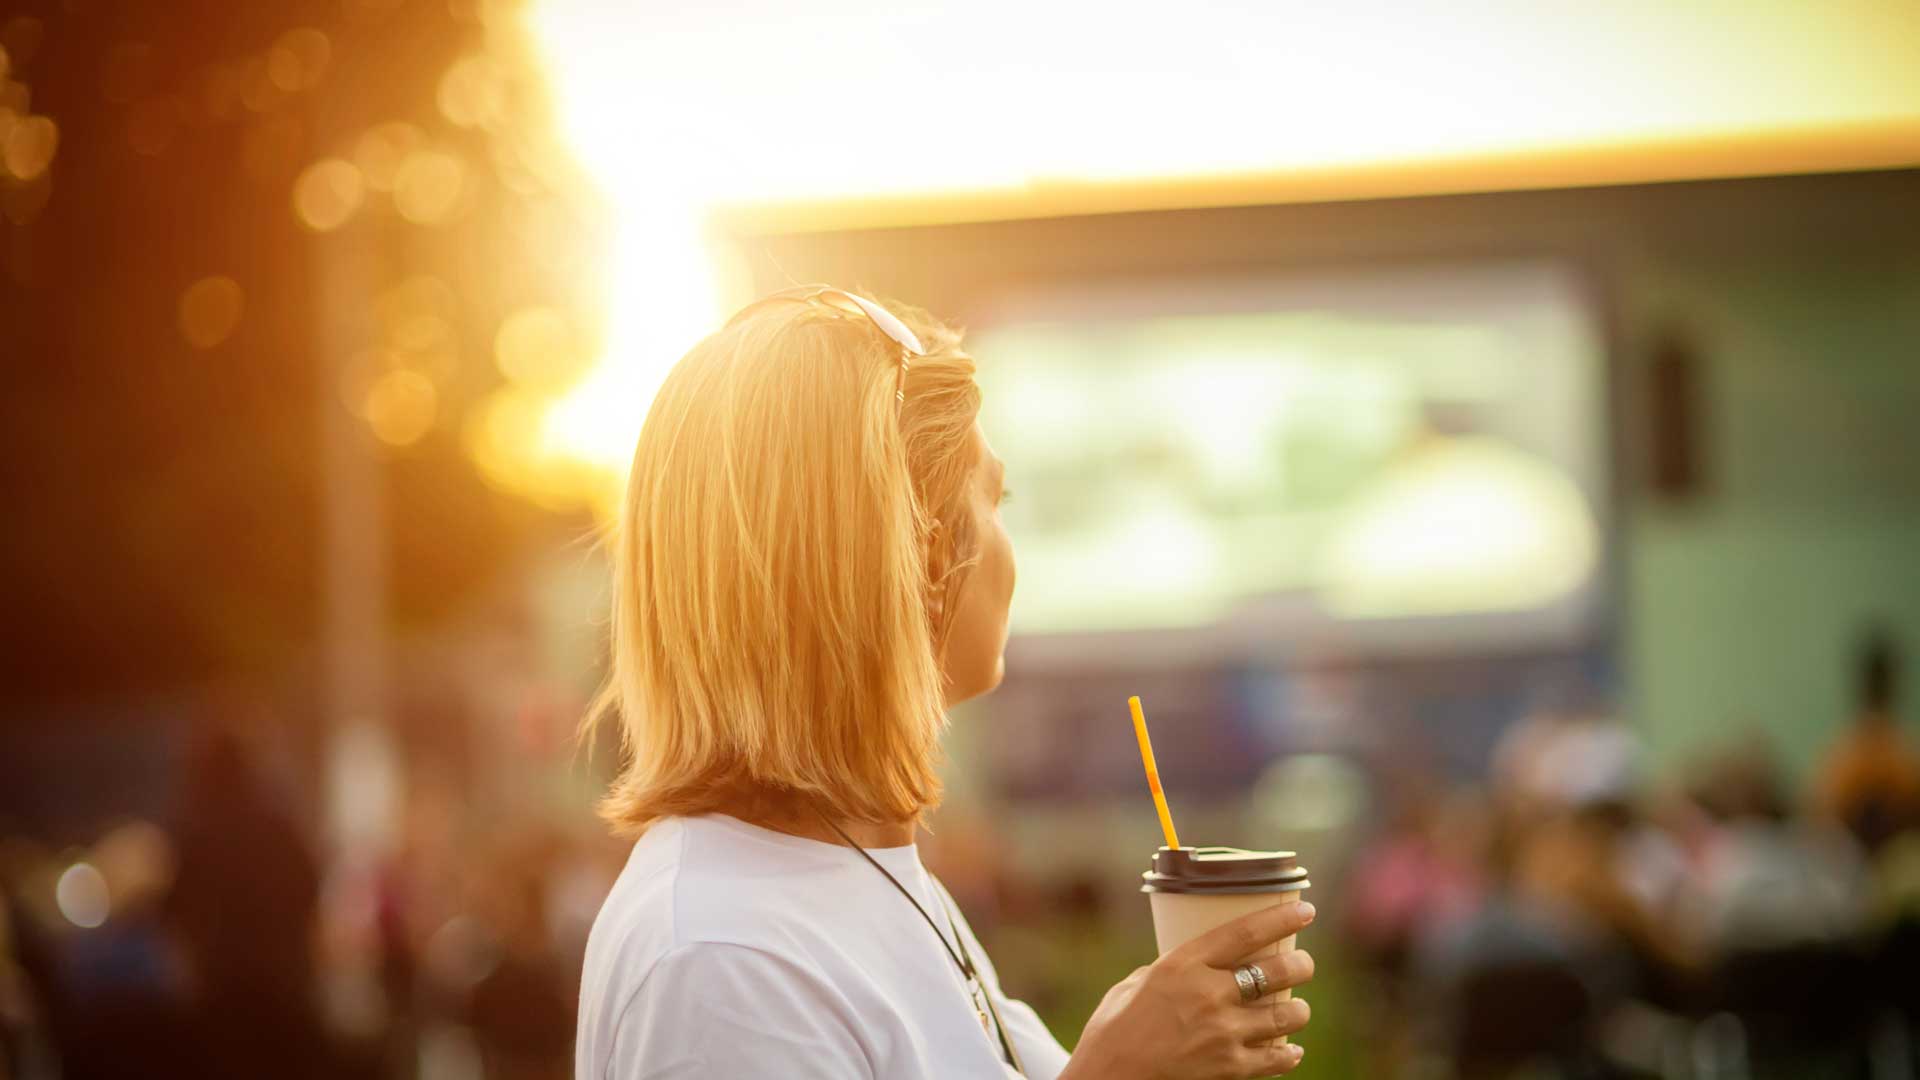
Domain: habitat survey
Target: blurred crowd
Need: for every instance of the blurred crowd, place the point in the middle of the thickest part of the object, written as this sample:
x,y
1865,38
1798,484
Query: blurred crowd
x,y
221,940
1574,912
1573,918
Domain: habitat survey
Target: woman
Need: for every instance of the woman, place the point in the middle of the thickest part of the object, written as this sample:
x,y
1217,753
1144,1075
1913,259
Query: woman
x,y
810,570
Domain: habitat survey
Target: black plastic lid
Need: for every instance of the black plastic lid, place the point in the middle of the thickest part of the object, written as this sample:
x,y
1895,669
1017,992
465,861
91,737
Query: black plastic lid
x,y
1224,870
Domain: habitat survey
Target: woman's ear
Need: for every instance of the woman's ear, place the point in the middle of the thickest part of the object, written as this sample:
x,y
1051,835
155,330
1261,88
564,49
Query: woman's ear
x,y
939,558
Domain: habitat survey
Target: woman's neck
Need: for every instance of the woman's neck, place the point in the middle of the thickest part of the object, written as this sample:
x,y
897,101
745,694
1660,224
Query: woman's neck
x,y
866,834
786,816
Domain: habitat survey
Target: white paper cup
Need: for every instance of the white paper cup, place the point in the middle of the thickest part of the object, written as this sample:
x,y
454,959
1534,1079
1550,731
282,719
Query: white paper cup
x,y
1193,890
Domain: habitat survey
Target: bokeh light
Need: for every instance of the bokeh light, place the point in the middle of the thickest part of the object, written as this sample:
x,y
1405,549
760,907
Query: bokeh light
x,y
500,436
473,92
427,188
401,406
395,386
359,374
139,863
381,148
328,194
417,314
31,144
82,896
298,61
258,91
423,334
210,309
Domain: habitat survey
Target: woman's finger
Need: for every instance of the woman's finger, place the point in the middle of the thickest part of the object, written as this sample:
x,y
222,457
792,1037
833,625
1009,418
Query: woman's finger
x,y
1268,1019
1227,944
1291,968
1288,969
1272,1060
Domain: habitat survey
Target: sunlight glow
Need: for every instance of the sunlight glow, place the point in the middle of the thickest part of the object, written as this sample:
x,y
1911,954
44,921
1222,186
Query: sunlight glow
x,y
677,113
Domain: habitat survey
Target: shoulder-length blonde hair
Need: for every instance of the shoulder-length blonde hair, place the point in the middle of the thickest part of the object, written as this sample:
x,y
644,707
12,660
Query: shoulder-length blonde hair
x,y
786,523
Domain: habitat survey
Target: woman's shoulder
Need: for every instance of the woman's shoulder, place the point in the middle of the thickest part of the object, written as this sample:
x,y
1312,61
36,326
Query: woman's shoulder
x,y
697,880
636,923
697,938
700,902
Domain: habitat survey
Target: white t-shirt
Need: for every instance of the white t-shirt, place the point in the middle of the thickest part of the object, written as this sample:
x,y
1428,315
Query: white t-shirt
x,y
726,950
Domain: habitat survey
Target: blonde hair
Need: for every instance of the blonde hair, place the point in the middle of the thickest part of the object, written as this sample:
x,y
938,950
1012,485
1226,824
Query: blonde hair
x,y
786,526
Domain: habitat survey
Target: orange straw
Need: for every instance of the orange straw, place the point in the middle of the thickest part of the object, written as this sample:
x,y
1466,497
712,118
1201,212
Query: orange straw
x,y
1153,771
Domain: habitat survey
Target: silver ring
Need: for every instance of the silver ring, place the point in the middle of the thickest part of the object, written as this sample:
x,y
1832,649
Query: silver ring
x,y
1249,983
1260,978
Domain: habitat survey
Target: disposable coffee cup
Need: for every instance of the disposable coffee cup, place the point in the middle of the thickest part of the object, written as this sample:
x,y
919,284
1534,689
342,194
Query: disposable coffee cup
x,y
1193,890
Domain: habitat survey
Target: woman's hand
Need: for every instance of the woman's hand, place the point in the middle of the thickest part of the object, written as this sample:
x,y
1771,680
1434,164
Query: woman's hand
x,y
1181,1018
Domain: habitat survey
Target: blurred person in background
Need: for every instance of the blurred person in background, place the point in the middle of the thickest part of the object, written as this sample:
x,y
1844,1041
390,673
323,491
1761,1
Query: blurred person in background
x,y
521,1007
1870,780
24,1049
1513,981
811,569
1427,869
418,889
245,905
1779,909
1767,879
1577,917
1585,846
